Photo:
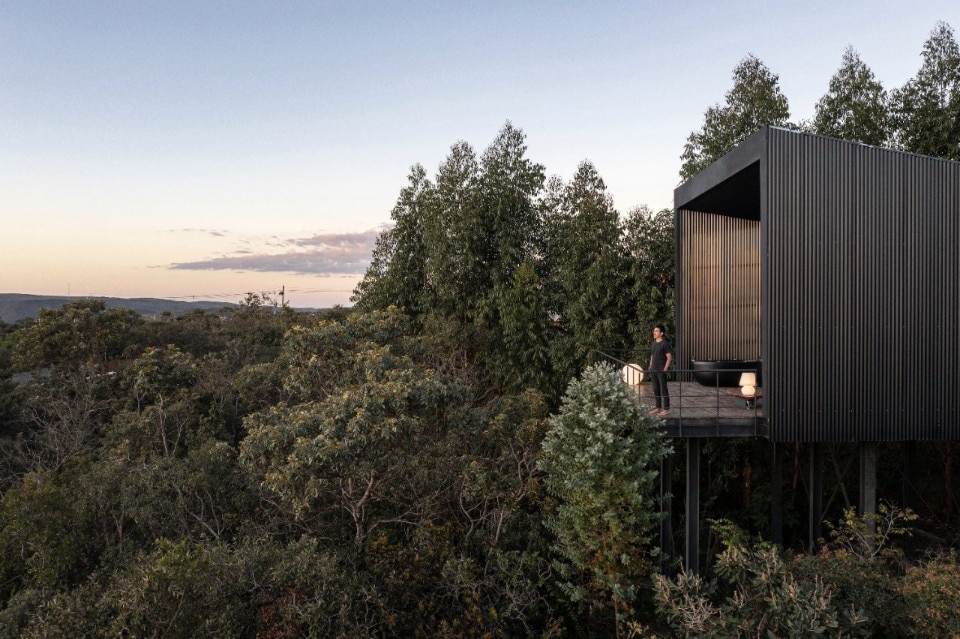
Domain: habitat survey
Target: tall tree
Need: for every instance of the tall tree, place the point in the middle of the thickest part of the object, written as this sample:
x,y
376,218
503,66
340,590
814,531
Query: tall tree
x,y
502,237
507,220
591,271
448,230
397,273
926,110
453,243
650,246
754,101
521,349
855,105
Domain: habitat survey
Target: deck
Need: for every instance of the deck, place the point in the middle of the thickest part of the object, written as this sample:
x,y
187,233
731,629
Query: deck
x,y
701,411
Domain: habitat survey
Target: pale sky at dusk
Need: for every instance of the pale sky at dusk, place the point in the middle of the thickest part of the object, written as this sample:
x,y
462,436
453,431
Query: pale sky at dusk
x,y
205,149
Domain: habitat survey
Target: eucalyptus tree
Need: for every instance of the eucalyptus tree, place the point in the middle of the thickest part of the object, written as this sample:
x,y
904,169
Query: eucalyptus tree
x,y
449,229
855,105
520,346
507,220
455,242
926,110
755,100
649,243
590,269
397,272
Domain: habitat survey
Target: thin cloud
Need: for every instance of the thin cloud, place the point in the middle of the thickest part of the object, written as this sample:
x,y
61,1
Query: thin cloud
x,y
211,232
327,254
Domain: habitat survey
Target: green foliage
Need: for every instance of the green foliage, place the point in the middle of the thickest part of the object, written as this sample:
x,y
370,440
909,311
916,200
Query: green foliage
x,y
599,463
8,399
858,583
650,248
754,595
77,333
499,489
871,535
252,588
926,110
352,447
507,218
262,473
450,233
199,496
60,418
523,357
855,105
164,410
754,101
532,280
396,274
43,533
865,571
931,591
591,272
437,590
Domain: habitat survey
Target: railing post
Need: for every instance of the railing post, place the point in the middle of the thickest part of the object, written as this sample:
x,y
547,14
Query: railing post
x,y
666,511
693,505
868,480
776,496
816,495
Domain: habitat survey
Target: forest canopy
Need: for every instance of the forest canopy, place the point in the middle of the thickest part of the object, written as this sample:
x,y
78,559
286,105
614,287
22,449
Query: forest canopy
x,y
448,458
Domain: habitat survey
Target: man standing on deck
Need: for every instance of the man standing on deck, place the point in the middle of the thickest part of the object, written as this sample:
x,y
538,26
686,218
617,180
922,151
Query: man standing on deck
x,y
661,355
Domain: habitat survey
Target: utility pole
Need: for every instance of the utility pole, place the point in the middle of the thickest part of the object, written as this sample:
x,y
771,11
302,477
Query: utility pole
x,y
283,289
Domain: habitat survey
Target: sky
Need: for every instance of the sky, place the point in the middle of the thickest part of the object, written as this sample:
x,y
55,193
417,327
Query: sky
x,y
204,150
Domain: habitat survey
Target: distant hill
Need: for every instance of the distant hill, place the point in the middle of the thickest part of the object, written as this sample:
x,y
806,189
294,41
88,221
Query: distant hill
x,y
15,306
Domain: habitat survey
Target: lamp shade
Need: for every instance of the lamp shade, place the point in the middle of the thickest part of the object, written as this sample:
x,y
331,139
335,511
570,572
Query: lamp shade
x,y
632,374
748,384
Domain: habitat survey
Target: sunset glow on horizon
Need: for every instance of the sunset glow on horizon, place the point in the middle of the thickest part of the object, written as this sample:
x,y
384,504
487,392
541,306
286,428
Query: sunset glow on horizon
x,y
188,150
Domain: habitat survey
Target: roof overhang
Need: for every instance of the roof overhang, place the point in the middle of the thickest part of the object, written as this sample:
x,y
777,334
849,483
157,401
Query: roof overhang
x,y
729,186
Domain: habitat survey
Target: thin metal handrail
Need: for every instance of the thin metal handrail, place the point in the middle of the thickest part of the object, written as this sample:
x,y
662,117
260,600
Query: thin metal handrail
x,y
716,401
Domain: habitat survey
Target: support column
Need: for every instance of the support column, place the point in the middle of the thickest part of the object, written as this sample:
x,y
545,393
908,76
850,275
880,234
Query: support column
x,y
815,500
776,496
909,462
693,505
666,511
868,481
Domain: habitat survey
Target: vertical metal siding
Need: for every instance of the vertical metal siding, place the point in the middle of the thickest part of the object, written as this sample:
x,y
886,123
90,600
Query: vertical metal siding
x,y
719,312
863,299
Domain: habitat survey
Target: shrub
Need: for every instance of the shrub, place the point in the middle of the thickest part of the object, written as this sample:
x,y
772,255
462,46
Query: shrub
x,y
599,463
931,591
754,595
855,583
862,567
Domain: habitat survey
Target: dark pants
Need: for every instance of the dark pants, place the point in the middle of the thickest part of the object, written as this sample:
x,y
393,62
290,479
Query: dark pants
x,y
660,390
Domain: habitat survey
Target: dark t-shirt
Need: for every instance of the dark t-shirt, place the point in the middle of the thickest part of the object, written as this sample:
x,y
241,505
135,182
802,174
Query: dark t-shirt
x,y
659,351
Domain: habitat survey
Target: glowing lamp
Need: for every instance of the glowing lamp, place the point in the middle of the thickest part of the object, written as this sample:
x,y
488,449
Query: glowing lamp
x,y
748,384
632,375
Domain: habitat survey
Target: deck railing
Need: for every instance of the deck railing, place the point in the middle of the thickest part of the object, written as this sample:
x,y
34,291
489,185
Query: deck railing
x,y
696,409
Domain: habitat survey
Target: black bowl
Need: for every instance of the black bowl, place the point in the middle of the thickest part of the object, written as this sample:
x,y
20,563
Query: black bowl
x,y
723,372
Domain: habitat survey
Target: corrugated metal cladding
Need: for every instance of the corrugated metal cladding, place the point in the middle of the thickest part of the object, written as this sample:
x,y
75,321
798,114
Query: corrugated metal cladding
x,y
856,257
720,311
862,316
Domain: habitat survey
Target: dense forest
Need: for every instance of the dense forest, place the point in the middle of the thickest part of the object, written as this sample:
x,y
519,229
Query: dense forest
x,y
449,457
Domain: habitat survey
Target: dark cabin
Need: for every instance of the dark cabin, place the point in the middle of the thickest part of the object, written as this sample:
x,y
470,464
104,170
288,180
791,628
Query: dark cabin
x,y
837,265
